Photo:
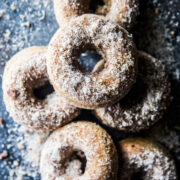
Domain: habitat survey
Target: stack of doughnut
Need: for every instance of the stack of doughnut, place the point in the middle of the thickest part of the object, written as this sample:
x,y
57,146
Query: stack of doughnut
x,y
128,90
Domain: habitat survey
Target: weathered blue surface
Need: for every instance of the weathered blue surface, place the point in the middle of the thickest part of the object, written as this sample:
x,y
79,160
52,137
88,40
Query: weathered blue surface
x,y
32,22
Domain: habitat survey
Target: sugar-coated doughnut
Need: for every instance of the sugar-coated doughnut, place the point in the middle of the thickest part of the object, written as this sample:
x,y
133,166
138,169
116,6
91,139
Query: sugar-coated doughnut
x,y
85,89
25,72
146,102
85,138
145,158
123,12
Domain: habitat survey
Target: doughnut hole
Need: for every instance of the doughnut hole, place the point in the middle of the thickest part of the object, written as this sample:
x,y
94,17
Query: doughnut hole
x,y
100,7
80,157
95,4
88,60
86,56
136,176
43,91
136,95
139,90
38,88
92,90
69,163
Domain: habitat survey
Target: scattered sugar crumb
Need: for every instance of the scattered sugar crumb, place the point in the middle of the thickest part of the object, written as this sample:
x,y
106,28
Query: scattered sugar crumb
x,y
3,155
14,37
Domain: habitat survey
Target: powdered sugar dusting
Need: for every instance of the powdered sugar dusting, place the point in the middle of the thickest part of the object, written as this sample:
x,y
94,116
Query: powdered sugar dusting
x,y
147,158
15,33
90,90
131,114
30,72
123,12
24,149
65,10
86,137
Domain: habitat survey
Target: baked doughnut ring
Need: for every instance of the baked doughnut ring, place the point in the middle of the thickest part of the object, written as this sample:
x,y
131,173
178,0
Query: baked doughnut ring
x,y
147,159
123,12
146,102
85,138
85,89
25,72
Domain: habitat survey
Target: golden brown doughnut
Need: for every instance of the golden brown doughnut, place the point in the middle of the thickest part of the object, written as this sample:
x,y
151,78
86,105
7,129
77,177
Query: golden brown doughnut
x,y
146,102
112,42
85,138
145,158
123,12
25,72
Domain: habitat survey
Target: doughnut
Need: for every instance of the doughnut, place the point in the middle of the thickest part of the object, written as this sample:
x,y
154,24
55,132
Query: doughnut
x,y
145,159
87,139
25,72
124,12
146,102
87,89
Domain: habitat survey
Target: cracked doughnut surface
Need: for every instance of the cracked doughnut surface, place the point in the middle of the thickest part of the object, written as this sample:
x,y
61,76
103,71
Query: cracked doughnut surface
x,y
90,89
25,72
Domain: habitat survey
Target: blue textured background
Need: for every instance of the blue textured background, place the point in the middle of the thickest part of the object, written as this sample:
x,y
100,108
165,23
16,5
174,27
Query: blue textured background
x,y
158,18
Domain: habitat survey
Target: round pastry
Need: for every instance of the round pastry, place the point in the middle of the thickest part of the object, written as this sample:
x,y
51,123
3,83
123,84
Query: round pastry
x,y
123,12
25,73
86,140
87,89
146,102
145,159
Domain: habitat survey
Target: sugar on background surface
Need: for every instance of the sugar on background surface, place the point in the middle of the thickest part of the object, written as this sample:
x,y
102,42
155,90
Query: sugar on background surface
x,y
24,23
